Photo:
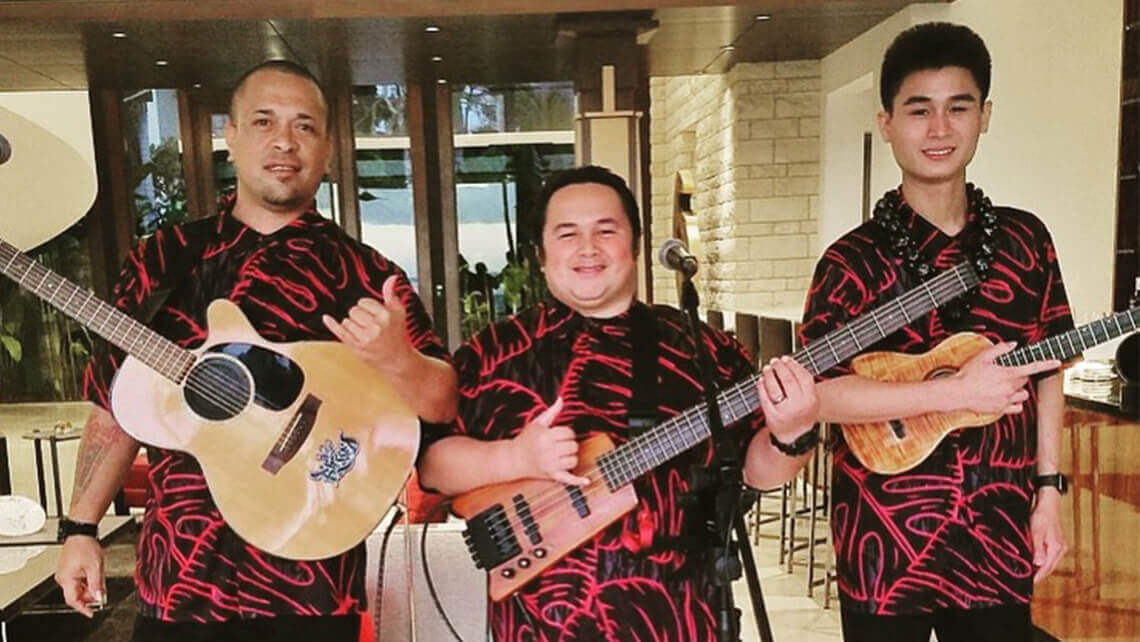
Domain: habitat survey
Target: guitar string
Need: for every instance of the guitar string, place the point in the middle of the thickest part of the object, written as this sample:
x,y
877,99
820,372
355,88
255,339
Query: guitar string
x,y
941,287
553,496
225,393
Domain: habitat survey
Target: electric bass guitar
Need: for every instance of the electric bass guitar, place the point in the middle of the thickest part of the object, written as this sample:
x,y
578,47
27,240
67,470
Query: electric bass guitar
x,y
515,530
895,446
304,447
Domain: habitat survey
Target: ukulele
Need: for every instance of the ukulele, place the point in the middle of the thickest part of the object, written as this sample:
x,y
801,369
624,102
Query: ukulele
x,y
303,446
894,446
517,529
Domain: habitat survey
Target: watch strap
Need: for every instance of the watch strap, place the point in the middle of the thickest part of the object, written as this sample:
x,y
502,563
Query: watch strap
x,y
1056,480
69,527
801,446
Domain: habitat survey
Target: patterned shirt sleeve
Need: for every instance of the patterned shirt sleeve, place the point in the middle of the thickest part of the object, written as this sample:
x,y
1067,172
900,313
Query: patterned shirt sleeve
x,y
1055,316
139,280
837,295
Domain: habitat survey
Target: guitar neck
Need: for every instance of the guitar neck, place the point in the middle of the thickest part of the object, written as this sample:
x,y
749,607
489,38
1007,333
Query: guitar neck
x,y
689,428
1068,345
137,340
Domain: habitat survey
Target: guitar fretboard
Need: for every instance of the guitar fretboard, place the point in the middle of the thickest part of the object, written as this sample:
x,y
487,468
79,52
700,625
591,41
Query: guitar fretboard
x,y
687,429
1075,341
139,341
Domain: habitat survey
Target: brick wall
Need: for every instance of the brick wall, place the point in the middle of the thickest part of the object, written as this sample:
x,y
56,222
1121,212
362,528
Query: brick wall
x,y
751,139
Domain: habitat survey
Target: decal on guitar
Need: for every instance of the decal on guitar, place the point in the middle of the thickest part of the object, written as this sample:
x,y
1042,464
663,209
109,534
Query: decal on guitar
x,y
335,460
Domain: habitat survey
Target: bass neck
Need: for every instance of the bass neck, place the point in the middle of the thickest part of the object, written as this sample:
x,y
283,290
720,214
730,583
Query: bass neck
x,y
689,428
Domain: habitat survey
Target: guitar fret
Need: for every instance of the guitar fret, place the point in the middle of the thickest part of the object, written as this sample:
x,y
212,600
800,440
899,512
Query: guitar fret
x,y
926,288
854,338
811,360
831,347
40,285
74,291
904,312
10,261
875,320
1116,320
961,281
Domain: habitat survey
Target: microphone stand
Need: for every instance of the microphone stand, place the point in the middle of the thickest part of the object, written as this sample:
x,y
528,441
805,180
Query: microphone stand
x,y
721,484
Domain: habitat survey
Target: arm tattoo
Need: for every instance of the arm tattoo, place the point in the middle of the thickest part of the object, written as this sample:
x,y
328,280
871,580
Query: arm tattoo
x,y
99,439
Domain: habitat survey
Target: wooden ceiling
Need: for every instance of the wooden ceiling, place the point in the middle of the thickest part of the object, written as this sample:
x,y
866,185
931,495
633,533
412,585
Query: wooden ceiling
x,y
61,44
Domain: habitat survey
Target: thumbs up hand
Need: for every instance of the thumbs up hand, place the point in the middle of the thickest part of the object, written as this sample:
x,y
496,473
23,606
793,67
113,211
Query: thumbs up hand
x,y
376,331
545,450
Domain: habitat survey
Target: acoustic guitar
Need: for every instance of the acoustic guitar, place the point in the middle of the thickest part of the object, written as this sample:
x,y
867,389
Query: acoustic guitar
x,y
517,529
304,447
895,446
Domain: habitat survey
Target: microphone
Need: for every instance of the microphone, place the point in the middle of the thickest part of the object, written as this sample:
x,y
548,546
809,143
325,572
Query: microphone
x,y
675,256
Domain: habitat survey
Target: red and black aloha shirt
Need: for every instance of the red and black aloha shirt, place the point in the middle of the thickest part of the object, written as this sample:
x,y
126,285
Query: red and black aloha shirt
x,y
631,581
191,565
952,532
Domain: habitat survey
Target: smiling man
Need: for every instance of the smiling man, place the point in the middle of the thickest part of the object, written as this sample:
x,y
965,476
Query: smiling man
x,y
955,543
534,385
296,276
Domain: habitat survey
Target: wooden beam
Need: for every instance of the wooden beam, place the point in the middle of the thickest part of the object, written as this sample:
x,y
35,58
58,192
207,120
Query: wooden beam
x,y
447,227
197,155
421,194
344,174
433,198
110,224
133,10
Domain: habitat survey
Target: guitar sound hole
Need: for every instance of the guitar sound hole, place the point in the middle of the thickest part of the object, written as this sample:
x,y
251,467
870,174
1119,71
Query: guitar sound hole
x,y
218,388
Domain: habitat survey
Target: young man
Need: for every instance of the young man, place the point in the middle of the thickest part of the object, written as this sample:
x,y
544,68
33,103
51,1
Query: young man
x,y
955,543
293,273
532,386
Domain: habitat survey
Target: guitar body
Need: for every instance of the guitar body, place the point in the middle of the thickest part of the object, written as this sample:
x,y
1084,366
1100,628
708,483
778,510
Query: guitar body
x,y
304,447
891,447
518,529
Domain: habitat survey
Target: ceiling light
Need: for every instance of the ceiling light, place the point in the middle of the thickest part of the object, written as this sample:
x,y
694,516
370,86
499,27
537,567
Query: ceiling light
x,y
161,63
761,17
728,48
118,34
437,58
431,29
197,85
442,81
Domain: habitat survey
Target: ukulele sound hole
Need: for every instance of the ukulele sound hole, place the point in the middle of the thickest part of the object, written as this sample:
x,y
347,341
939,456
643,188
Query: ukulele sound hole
x,y
218,388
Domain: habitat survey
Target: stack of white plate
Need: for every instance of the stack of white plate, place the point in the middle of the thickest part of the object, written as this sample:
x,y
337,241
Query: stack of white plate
x,y
1093,378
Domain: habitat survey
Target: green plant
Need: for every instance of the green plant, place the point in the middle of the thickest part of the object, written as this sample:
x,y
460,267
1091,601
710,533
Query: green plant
x,y
10,341
168,205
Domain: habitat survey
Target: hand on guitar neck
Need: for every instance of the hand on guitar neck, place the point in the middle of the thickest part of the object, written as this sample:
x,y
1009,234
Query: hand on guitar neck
x,y
987,388
899,407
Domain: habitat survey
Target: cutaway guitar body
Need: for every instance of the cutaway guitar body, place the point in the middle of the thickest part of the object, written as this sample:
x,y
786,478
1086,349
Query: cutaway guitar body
x,y
304,447
895,446
890,447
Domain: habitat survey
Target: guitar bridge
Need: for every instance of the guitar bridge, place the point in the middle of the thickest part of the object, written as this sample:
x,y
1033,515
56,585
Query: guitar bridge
x,y
490,538
293,436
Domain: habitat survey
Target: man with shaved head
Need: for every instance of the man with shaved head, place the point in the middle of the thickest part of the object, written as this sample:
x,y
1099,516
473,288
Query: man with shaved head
x,y
296,276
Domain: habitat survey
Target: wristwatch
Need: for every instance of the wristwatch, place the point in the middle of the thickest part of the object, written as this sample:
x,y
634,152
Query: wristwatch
x,y
1056,480
801,446
69,527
